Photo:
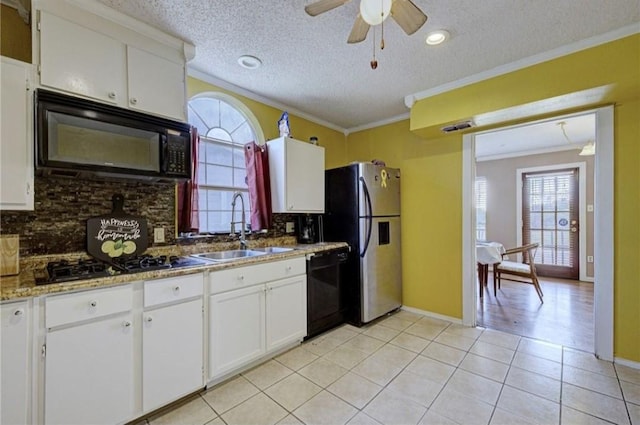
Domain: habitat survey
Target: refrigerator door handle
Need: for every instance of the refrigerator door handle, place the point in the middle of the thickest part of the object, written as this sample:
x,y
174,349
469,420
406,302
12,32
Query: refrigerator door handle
x,y
369,218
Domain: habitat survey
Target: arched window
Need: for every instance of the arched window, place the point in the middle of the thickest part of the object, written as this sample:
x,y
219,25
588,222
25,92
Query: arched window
x,y
225,125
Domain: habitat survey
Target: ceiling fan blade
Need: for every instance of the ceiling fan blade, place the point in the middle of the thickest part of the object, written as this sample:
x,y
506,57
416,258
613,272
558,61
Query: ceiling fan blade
x,y
359,31
408,16
322,6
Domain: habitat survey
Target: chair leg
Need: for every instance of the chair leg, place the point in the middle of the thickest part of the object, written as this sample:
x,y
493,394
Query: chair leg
x,y
496,276
480,283
536,284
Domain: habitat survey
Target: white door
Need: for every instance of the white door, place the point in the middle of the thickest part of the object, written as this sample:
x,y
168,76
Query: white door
x,y
16,152
79,60
155,84
286,311
89,373
171,353
236,329
14,373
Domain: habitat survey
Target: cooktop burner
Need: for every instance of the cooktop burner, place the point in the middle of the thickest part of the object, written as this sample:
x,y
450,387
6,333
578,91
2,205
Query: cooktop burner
x,y
66,271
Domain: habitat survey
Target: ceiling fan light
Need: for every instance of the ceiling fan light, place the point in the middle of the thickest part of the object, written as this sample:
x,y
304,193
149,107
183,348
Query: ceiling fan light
x,y
375,11
437,37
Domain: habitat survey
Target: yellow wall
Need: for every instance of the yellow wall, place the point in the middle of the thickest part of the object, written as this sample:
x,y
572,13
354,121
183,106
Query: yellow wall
x,y
432,174
15,35
301,129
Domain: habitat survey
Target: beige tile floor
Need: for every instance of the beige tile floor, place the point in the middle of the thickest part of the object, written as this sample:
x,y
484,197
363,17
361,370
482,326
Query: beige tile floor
x,y
410,369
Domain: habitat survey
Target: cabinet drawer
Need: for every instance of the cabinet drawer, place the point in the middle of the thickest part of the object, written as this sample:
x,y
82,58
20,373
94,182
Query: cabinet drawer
x,y
161,291
241,277
65,309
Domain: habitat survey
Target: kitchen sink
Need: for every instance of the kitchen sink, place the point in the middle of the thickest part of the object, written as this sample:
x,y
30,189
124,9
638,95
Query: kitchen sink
x,y
233,254
273,249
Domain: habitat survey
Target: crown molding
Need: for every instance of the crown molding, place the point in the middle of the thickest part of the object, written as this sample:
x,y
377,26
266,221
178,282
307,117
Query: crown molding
x,y
203,76
380,123
567,49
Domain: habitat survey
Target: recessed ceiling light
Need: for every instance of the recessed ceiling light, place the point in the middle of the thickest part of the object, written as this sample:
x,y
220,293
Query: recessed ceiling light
x,y
249,62
437,37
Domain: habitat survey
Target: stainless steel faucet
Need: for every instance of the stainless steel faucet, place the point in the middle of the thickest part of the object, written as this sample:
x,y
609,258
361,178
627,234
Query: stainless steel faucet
x,y
243,242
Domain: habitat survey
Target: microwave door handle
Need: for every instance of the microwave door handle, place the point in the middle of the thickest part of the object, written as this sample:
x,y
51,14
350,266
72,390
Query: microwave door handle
x,y
164,156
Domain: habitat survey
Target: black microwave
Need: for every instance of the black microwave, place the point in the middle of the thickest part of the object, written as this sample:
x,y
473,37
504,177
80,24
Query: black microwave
x,y
79,137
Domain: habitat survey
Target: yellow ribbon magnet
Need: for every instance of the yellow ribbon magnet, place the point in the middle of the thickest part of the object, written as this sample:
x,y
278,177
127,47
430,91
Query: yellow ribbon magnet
x,y
384,176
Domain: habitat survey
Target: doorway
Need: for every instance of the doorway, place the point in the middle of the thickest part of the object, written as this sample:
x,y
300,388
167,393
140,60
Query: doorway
x,y
603,233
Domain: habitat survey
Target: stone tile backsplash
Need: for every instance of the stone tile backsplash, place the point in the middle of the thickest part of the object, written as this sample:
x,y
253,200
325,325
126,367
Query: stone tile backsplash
x,y
62,206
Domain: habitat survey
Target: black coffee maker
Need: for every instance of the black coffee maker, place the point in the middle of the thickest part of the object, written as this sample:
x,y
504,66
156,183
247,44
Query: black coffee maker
x,y
310,228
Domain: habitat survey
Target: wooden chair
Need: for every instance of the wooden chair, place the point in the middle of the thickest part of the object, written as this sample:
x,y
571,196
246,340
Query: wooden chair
x,y
512,270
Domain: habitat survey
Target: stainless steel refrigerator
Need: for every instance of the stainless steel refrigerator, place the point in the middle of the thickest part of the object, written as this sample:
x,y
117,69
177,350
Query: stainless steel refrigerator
x,y
363,208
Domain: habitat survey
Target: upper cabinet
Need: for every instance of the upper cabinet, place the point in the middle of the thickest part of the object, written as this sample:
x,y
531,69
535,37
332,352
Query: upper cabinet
x,y
16,137
296,170
87,49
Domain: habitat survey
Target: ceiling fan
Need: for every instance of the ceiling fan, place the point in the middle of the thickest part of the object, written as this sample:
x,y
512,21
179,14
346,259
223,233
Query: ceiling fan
x,y
404,12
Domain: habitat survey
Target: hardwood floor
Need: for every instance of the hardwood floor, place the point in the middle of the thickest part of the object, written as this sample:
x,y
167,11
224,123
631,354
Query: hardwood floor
x,y
566,317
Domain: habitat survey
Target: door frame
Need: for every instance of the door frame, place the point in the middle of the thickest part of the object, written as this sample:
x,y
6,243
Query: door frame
x,y
603,232
582,208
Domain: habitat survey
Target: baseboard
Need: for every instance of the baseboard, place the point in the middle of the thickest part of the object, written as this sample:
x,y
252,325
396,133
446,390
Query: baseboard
x,y
431,314
628,363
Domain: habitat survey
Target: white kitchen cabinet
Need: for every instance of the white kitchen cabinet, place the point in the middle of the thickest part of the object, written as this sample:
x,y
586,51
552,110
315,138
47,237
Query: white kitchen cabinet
x,y
15,319
89,361
254,311
16,137
172,340
296,171
79,60
76,58
155,84
286,311
236,329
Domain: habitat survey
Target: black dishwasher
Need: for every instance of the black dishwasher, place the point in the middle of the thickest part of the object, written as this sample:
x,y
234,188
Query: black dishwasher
x,y
326,290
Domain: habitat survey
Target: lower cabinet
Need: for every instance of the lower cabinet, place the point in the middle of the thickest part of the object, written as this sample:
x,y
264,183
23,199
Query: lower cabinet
x,y
172,361
253,311
15,319
111,355
286,311
236,329
89,357
89,373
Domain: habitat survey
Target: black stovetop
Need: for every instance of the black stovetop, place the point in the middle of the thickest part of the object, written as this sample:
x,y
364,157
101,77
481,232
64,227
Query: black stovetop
x,y
67,271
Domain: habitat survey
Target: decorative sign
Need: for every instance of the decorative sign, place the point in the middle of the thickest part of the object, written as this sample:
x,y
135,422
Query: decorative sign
x,y
563,222
116,234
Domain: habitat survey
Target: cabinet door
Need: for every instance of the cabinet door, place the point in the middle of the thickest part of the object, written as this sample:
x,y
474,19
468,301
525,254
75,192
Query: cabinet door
x,y
16,155
171,353
286,317
79,60
14,321
155,84
236,329
89,373
304,177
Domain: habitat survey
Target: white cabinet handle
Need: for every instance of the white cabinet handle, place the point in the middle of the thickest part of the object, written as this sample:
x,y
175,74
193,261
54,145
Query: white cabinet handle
x,y
290,207
19,312
133,101
126,324
241,277
288,268
93,303
176,288
112,95
149,319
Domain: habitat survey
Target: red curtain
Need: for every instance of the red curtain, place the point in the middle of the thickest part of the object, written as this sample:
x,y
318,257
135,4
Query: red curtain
x,y
257,161
188,192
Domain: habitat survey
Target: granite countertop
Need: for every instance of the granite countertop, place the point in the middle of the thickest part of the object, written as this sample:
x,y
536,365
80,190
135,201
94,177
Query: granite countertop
x,y
24,286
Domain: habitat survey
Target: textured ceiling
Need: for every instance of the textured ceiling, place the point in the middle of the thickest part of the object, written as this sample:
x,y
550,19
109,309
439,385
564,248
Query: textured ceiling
x,y
308,65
